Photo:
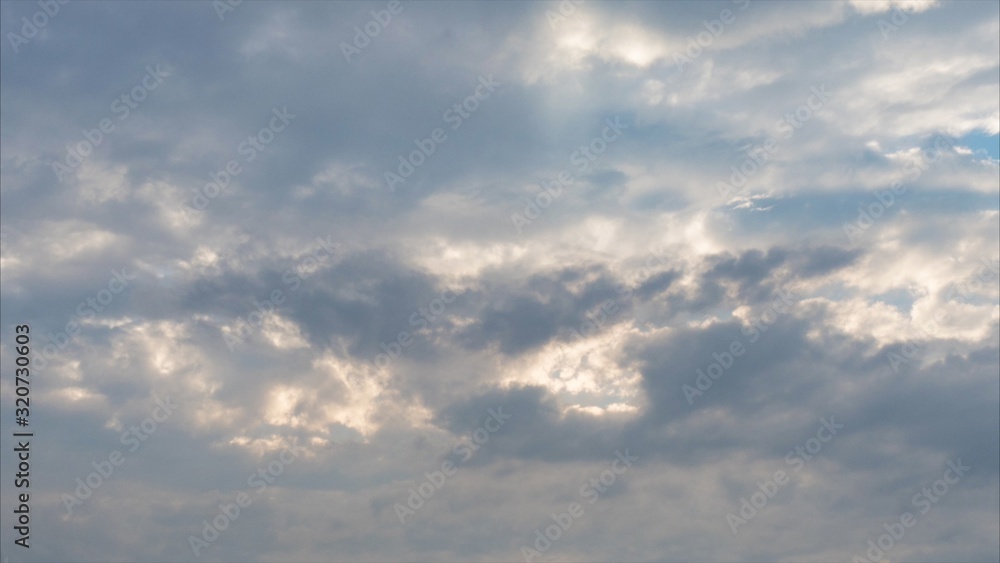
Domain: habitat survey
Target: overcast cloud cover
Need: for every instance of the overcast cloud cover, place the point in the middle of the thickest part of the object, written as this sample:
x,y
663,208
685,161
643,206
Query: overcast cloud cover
x,y
737,259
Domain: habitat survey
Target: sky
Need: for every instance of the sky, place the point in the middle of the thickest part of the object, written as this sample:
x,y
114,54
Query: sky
x,y
500,281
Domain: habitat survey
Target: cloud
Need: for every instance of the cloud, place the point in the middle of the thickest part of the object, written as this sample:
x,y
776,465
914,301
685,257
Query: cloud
x,y
852,273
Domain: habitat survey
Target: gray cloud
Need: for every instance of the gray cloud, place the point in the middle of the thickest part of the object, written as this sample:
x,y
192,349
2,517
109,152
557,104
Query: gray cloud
x,y
405,317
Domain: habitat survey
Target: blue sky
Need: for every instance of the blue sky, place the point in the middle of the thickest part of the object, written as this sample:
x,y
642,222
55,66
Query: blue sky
x,y
480,281
980,141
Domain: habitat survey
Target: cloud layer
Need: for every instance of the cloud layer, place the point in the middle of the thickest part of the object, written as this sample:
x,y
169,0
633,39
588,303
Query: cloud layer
x,y
427,281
